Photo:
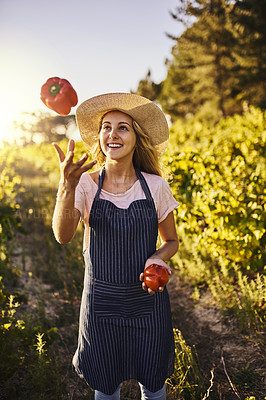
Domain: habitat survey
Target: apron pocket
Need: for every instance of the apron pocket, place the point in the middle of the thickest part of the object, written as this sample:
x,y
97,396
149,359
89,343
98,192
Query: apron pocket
x,y
124,301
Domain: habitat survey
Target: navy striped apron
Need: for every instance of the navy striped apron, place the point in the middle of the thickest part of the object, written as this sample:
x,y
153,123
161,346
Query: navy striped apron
x,y
124,332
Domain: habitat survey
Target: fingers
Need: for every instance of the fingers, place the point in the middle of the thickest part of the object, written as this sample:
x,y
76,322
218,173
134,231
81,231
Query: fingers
x,y
144,286
59,151
69,157
149,290
88,166
71,145
70,151
82,160
70,171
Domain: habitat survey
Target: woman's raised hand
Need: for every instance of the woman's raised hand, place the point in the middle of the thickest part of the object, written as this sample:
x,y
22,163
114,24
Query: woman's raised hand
x,y
70,171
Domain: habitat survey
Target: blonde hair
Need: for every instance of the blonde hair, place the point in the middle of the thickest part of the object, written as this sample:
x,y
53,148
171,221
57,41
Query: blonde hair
x,y
145,157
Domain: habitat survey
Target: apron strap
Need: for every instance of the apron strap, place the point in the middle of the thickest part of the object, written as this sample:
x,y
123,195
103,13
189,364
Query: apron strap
x,y
140,177
100,183
144,185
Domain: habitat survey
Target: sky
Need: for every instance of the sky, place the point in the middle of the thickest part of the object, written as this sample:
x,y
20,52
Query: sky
x,y
100,46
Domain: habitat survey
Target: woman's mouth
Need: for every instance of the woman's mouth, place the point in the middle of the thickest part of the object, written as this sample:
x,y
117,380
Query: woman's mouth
x,y
114,145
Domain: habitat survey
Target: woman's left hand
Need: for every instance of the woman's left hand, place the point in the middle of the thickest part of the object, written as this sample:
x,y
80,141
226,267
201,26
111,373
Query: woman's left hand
x,y
154,260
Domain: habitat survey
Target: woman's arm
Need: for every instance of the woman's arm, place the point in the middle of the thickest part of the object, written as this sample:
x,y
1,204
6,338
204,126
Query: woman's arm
x,y
169,238
66,217
167,249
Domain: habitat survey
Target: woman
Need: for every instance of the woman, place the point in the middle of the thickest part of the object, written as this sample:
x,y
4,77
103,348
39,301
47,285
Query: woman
x,y
124,332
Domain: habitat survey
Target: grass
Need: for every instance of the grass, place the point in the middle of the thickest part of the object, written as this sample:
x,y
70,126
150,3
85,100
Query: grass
x,y
186,382
233,290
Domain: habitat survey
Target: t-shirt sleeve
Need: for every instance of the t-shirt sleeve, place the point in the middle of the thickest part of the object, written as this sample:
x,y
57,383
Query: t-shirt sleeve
x,y
165,200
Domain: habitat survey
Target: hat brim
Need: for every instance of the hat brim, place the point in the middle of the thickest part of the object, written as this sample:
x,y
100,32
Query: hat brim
x,y
146,113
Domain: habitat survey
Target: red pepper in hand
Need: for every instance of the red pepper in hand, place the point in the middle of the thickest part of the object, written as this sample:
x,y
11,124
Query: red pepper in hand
x,y
59,95
155,276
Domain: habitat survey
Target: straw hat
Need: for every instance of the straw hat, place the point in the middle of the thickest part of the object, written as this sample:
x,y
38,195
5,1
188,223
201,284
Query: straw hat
x,y
147,114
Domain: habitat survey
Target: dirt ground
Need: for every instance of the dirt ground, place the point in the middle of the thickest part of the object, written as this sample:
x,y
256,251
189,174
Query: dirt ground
x,y
238,362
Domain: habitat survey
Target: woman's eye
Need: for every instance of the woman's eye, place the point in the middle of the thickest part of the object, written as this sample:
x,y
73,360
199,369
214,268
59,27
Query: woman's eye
x,y
106,128
123,127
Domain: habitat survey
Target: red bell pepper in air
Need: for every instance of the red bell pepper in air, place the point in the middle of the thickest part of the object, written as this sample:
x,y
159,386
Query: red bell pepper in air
x,y
59,95
155,276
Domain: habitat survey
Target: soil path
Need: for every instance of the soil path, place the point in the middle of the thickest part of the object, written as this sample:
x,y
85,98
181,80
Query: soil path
x,y
235,359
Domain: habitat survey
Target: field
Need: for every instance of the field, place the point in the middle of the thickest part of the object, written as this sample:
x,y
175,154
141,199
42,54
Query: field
x,y
217,289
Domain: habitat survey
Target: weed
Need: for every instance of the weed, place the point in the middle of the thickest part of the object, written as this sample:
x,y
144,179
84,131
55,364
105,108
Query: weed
x,y
44,373
186,380
246,378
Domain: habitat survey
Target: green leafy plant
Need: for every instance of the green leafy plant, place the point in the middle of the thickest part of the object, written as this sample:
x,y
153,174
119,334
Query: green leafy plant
x,y
218,174
185,383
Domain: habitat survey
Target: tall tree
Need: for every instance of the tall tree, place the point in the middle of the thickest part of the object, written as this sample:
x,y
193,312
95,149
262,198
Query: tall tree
x,y
249,28
201,78
148,88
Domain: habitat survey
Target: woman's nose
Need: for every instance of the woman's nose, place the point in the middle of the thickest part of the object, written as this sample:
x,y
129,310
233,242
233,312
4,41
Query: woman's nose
x,y
113,133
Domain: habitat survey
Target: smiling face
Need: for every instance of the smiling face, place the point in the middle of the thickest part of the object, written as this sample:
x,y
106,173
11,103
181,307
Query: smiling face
x,y
117,136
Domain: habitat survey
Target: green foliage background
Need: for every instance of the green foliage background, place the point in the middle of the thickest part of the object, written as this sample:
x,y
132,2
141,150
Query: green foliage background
x,y
218,174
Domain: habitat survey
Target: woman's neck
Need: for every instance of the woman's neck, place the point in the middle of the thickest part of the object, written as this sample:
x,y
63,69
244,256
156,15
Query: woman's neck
x,y
119,171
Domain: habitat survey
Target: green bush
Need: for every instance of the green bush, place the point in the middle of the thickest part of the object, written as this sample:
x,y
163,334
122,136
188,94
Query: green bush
x,y
218,175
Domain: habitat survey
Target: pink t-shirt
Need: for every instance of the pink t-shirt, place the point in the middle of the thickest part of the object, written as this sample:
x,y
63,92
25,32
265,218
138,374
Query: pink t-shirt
x,y
159,188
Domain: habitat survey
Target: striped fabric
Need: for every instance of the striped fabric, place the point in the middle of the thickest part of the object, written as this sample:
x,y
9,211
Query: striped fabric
x,y
121,301
124,332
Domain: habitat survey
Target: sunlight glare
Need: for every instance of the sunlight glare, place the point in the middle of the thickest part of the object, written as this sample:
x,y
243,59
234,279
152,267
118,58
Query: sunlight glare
x,y
10,112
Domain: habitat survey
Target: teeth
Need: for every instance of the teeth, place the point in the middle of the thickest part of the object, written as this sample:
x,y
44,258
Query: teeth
x,y
113,145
